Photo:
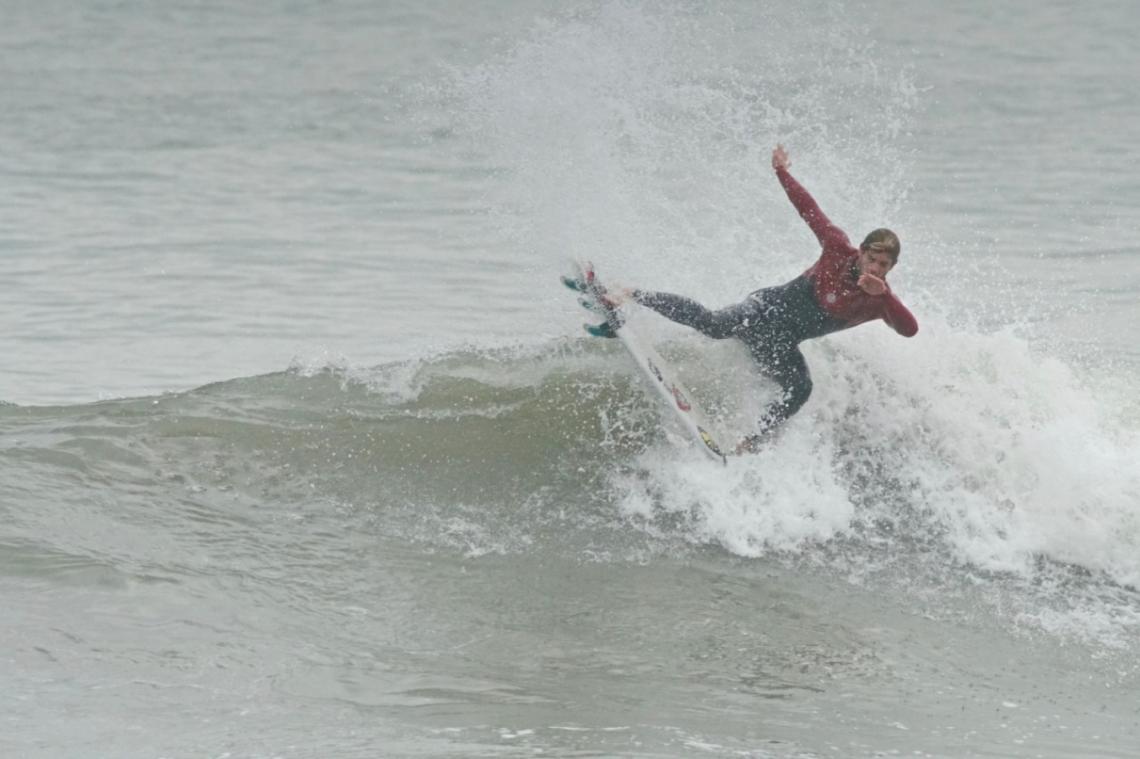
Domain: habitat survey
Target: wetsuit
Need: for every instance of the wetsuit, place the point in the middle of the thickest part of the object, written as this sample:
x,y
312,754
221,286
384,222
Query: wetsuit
x,y
772,322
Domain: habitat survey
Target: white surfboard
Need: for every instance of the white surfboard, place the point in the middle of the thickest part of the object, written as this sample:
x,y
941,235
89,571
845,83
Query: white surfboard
x,y
659,374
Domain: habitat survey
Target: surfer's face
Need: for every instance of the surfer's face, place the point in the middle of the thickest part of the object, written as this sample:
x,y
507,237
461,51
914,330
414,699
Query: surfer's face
x,y
875,262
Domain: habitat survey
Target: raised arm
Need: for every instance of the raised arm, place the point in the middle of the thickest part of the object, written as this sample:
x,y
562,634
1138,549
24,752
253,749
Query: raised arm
x,y
826,232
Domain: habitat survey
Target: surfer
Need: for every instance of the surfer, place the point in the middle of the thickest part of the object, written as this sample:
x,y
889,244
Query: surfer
x,y
846,286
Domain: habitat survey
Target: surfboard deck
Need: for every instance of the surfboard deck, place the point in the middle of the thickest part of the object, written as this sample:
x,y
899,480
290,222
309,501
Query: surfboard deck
x,y
656,370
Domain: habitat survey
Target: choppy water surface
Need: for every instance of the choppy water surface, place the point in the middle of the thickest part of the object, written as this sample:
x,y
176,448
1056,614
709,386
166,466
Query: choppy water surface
x,y
303,452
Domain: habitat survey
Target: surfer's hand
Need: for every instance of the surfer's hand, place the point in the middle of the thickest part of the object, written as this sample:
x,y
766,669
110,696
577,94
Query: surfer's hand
x,y
780,158
872,285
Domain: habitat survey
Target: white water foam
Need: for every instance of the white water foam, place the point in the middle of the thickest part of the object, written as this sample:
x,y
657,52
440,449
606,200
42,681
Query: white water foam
x,y
1008,453
640,138
622,139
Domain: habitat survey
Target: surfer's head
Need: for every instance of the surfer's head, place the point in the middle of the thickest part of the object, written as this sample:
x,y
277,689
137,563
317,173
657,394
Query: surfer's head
x,y
879,253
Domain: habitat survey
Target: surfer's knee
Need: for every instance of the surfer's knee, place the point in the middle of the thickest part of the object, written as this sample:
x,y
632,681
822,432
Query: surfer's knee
x,y
797,394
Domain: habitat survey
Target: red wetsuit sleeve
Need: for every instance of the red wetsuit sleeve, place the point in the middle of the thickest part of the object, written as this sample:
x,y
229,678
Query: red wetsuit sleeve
x,y
897,315
829,235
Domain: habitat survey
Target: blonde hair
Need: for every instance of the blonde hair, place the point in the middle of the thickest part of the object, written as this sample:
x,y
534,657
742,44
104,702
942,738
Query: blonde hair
x,y
883,240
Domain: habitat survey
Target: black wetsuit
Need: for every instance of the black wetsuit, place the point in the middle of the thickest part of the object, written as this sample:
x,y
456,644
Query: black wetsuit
x,y
772,323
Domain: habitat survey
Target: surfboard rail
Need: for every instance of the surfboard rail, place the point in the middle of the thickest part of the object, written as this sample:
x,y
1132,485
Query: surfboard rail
x,y
655,369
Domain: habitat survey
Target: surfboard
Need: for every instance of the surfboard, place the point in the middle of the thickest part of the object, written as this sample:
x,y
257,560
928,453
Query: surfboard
x,y
655,369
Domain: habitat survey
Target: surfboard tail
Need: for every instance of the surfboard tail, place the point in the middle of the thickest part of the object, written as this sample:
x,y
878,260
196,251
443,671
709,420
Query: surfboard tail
x,y
605,329
658,374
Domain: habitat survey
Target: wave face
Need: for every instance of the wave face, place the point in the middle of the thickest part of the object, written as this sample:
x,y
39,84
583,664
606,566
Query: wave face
x,y
972,483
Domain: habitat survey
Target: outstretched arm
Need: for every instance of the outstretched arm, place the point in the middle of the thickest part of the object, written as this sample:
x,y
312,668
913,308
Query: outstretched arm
x,y
898,316
826,232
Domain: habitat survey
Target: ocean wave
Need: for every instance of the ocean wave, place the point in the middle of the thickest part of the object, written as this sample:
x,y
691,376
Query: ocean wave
x,y
944,462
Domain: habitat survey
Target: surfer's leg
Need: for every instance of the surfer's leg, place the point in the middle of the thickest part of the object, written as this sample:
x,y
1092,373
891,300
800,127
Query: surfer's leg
x,y
716,324
787,366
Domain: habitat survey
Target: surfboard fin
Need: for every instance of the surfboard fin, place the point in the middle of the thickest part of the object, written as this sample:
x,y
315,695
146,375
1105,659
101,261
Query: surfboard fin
x,y
601,330
592,305
573,283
